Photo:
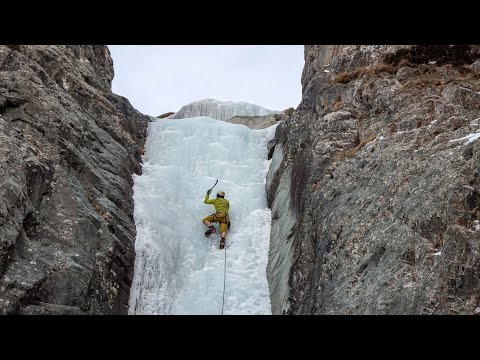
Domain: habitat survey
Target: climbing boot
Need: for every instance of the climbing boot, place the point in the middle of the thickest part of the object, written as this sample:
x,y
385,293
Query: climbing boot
x,y
211,230
222,243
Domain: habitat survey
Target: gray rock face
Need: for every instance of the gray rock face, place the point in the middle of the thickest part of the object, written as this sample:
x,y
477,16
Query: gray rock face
x,y
68,149
382,210
258,122
281,250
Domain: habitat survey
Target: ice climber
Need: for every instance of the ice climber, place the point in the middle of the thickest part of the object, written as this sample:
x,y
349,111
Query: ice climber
x,y
221,216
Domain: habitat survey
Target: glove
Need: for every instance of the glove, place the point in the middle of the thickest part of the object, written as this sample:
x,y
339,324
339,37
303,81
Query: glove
x,y
209,191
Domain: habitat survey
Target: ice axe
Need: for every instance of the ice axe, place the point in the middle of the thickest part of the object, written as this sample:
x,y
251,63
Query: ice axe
x,y
210,190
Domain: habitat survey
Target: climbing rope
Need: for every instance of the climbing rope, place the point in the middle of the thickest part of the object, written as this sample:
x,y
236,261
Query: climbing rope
x,y
224,277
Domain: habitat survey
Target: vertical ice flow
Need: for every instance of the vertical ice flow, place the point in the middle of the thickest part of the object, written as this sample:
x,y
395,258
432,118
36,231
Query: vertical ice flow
x,y
177,269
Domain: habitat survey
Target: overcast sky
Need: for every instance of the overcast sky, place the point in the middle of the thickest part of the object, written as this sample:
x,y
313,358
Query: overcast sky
x,y
162,78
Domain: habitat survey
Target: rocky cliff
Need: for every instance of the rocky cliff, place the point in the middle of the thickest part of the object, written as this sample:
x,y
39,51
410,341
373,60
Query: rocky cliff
x,y
374,184
258,122
68,149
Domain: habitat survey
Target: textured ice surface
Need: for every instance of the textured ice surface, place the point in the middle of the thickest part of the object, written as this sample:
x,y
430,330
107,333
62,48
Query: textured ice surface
x,y
177,269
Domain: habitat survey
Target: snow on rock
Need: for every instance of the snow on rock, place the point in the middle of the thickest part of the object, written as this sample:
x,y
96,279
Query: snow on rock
x,y
221,110
470,137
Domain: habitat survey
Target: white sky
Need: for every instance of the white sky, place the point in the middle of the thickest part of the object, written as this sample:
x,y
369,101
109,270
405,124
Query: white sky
x,y
162,78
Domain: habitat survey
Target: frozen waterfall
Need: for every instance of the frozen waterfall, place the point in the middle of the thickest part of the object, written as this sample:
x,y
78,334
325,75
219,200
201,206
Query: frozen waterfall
x,y
177,269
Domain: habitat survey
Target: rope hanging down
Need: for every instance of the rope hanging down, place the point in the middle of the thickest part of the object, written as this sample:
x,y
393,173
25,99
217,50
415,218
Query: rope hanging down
x,y
224,266
224,277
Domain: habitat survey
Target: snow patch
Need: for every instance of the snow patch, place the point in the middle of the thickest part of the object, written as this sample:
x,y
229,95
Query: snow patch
x,y
469,138
477,225
221,110
65,84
